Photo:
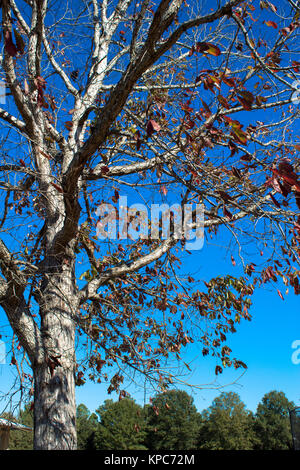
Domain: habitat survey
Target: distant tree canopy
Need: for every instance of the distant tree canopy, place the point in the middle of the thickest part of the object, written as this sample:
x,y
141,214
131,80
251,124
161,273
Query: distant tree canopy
x,y
173,421
272,424
87,425
122,426
227,424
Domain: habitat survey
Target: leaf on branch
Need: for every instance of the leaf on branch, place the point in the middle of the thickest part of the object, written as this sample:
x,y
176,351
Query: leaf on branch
x,y
152,126
69,125
229,81
207,48
260,100
275,201
104,170
223,101
13,361
249,269
227,213
246,99
20,44
238,364
46,155
137,138
225,196
246,158
10,47
266,5
296,68
58,188
239,135
40,84
271,23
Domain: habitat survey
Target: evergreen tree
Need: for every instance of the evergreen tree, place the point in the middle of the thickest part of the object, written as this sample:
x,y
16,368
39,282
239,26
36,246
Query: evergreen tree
x,y
122,426
173,422
272,424
87,425
227,424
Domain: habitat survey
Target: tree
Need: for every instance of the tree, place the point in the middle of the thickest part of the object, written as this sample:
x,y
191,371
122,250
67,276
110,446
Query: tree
x,y
122,426
173,422
160,99
272,423
87,425
227,425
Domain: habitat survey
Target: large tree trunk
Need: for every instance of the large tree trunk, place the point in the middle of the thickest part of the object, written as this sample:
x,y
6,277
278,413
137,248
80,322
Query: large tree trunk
x,y
54,409
54,377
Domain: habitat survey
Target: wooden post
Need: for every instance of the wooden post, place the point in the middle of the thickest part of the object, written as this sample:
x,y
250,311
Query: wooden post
x,y
4,438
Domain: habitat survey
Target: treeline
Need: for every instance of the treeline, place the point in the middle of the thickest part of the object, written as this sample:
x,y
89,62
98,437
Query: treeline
x,y
171,422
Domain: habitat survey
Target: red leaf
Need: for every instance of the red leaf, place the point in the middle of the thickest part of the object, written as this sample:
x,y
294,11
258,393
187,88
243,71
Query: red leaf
x,y
104,170
137,137
229,81
271,23
10,47
40,84
275,201
58,188
69,125
223,101
20,44
208,48
246,99
152,126
46,155
227,213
